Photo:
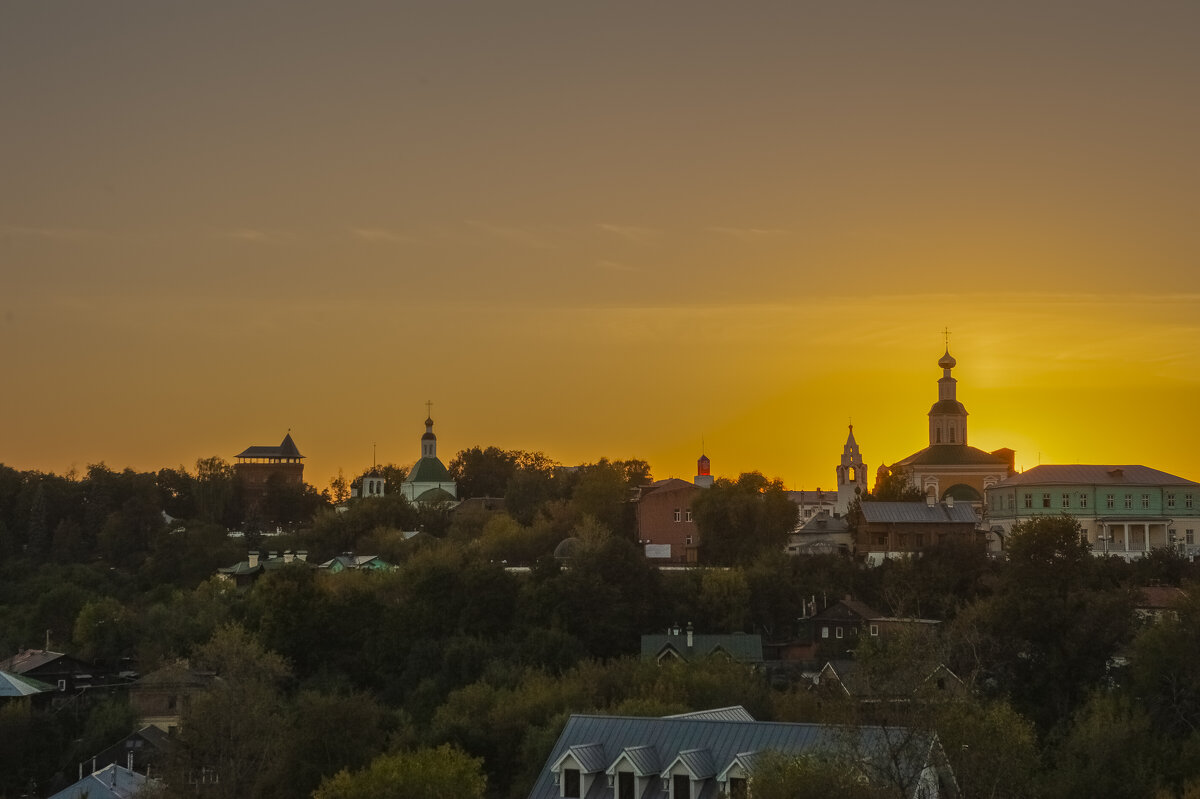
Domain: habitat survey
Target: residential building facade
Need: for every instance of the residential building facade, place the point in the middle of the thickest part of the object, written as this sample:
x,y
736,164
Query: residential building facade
x,y
1123,511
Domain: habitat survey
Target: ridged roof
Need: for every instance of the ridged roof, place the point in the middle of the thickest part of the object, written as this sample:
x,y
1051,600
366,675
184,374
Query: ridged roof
x,y
16,685
918,513
710,746
1082,474
739,646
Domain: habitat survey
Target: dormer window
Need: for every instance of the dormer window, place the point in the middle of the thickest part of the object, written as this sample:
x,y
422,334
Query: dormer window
x,y
570,783
625,785
681,786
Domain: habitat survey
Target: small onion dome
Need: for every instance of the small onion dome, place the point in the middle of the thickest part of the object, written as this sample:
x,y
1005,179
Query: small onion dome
x,y
947,361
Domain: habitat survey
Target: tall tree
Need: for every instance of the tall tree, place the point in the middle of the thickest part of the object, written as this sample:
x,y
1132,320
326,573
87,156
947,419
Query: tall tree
x,y
738,520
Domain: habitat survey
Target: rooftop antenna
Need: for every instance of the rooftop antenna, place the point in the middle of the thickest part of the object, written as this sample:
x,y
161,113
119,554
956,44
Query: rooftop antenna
x,y
374,463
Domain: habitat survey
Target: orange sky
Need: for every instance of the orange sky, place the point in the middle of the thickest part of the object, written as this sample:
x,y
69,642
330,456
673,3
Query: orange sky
x,y
603,230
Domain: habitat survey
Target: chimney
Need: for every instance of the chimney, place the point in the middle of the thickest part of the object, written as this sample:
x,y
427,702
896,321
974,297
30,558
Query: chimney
x,y
253,558
689,631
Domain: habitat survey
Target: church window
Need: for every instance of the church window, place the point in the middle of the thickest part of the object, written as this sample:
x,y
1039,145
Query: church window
x,y
939,435
1029,500
850,475
1145,500
1109,500
1066,500
1129,500
952,436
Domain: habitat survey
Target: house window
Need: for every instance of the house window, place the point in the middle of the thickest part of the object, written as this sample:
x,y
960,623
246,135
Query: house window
x,y
737,788
688,540
901,540
678,515
625,785
838,632
681,787
1045,500
1011,501
1170,500
1083,500
1187,500
1129,500
1189,537
1109,500
881,539
824,631
1145,500
687,515
918,540
875,629
570,783
1029,500
1066,500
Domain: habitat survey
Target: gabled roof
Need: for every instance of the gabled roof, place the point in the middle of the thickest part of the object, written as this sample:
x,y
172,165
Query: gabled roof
x,y
847,608
15,685
708,746
590,757
952,455
110,782
1083,474
731,713
739,646
670,484
28,660
919,512
644,760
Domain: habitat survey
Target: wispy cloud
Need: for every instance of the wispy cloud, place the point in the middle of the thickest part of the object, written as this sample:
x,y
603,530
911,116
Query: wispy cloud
x,y
527,237
375,234
630,232
61,233
750,233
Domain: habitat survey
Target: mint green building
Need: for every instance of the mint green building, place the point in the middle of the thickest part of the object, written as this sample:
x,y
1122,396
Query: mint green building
x,y
1124,511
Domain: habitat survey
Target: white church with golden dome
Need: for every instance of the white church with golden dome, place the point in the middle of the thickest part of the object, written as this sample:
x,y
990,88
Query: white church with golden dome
x,y
949,468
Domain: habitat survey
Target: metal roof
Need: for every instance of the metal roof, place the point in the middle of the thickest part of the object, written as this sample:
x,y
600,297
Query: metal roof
x,y
952,455
732,713
1086,474
710,745
16,685
110,782
739,646
643,758
918,513
286,449
429,470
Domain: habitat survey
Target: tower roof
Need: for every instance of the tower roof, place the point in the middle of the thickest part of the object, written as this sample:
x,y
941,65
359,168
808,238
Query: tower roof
x,y
850,438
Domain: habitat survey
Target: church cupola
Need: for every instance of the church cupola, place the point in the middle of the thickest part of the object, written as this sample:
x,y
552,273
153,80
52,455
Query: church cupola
x,y
429,440
947,417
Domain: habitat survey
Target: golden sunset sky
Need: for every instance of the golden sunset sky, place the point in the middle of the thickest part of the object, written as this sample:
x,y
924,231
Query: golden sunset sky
x,y
598,230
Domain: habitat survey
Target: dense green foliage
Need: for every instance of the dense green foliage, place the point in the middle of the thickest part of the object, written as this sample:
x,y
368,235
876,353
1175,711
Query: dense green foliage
x,y
455,665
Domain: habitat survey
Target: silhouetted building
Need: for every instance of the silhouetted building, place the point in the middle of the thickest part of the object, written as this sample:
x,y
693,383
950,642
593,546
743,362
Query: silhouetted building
x,y
949,468
429,481
257,466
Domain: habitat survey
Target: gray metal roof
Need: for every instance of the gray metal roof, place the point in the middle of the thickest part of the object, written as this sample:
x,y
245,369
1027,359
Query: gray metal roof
x,y
110,782
16,685
709,746
1085,474
732,713
643,758
918,513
